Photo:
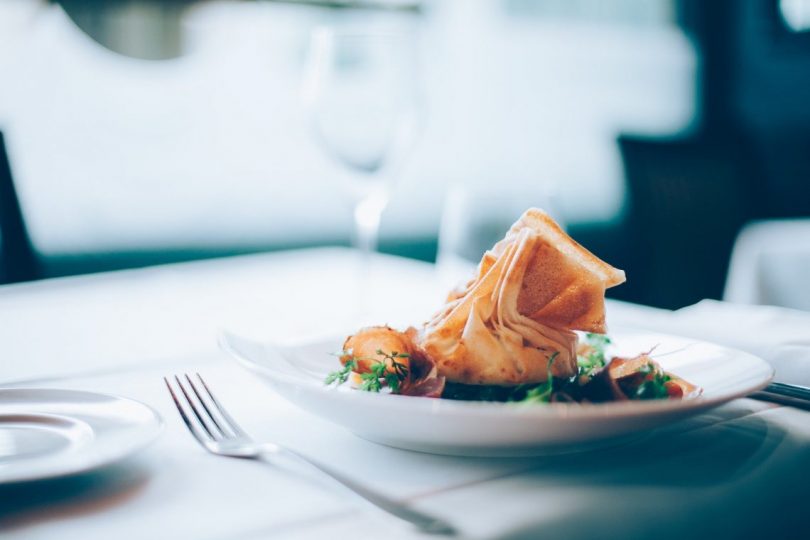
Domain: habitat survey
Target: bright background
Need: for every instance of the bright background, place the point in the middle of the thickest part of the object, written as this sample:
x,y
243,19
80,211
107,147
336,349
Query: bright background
x,y
113,153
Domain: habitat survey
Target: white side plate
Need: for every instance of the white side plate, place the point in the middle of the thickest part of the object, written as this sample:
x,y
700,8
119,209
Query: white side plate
x,y
501,429
46,433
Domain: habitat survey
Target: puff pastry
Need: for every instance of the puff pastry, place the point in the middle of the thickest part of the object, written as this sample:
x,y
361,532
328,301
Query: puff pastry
x,y
531,291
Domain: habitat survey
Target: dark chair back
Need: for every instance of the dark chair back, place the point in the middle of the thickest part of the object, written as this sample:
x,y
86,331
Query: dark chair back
x,y
17,260
688,201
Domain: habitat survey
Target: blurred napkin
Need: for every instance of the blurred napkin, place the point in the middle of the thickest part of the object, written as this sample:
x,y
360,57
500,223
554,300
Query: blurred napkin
x,y
778,335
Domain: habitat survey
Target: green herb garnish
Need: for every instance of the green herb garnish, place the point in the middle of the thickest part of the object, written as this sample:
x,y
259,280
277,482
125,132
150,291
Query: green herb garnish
x,y
342,375
588,364
370,381
654,387
598,341
542,392
377,376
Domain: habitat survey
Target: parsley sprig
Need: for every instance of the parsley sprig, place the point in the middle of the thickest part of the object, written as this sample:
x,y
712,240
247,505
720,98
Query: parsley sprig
x,y
655,384
341,375
595,359
378,375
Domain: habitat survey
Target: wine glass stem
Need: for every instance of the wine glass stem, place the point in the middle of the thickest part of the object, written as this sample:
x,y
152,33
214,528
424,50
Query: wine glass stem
x,y
367,213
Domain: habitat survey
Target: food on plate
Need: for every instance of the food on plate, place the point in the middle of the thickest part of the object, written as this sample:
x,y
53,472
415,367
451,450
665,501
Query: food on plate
x,y
528,327
381,356
639,377
533,289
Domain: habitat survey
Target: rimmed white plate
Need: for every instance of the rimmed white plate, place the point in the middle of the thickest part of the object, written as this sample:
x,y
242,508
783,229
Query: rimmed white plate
x,y
501,429
46,433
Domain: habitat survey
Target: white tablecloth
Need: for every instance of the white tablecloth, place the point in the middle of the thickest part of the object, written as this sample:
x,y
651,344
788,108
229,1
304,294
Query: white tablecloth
x,y
737,471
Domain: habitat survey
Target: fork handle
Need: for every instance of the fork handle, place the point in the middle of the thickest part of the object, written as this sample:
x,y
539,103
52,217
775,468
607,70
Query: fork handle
x,y
424,522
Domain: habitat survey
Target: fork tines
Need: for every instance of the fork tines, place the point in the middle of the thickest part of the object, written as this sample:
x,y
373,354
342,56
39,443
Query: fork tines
x,y
207,420
217,432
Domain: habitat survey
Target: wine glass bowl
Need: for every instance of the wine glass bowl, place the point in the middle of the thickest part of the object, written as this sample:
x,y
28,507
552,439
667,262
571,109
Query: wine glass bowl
x,y
361,92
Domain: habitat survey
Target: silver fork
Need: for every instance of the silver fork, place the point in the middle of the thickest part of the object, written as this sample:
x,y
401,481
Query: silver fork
x,y
218,432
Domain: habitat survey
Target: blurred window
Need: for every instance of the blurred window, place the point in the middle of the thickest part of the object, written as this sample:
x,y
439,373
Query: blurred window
x,y
627,12
796,14
211,148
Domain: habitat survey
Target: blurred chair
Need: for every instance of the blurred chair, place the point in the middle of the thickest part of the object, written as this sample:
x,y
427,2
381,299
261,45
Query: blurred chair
x,y
770,264
687,200
17,261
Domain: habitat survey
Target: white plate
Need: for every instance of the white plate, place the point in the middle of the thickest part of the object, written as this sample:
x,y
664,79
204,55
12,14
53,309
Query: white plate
x,y
45,433
481,428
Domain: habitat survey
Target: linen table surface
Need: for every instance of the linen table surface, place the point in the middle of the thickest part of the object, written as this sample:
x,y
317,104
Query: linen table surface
x,y
738,471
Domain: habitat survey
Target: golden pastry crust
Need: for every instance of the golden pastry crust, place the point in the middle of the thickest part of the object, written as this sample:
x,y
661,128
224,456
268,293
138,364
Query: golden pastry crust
x,y
564,285
532,290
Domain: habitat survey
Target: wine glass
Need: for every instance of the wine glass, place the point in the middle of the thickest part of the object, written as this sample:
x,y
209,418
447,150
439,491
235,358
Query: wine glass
x,y
361,91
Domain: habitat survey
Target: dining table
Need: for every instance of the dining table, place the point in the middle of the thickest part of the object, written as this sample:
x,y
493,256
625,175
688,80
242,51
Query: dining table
x,y
741,470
